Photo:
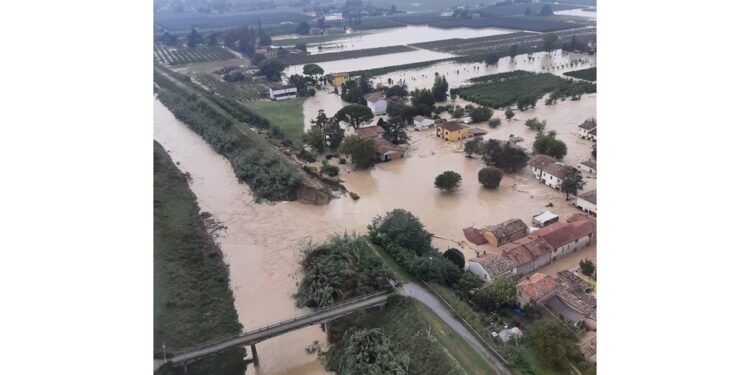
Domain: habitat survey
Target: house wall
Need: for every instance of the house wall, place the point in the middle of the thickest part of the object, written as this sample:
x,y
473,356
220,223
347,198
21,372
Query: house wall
x,y
583,133
478,270
542,261
585,205
452,135
378,107
338,81
526,268
491,239
551,181
537,173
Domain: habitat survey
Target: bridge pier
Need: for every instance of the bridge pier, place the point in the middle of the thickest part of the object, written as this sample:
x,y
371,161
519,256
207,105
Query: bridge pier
x,y
255,355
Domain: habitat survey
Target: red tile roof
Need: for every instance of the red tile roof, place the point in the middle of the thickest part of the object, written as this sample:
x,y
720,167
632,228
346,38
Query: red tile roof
x,y
588,125
536,286
540,161
370,132
474,236
452,126
374,97
559,234
555,169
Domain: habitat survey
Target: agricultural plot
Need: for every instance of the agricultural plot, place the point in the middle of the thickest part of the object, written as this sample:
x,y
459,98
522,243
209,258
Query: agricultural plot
x,y
181,56
587,74
240,91
505,89
526,42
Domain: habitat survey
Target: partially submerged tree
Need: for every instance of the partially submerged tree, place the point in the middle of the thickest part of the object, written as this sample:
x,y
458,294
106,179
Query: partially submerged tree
x,y
509,113
536,125
480,114
472,146
572,182
361,151
355,115
504,156
448,181
494,122
587,267
548,145
490,177
440,88
312,70
455,256
552,343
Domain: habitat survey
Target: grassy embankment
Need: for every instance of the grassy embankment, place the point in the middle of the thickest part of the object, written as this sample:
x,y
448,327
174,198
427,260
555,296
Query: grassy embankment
x,y
222,123
192,299
505,89
587,74
287,115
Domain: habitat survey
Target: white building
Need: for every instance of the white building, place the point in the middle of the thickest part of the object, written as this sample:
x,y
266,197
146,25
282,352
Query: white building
x,y
538,162
585,129
588,166
587,202
421,122
285,92
553,175
376,102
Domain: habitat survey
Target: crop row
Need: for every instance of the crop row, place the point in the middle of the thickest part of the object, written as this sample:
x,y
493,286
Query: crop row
x,y
587,74
239,91
505,89
179,56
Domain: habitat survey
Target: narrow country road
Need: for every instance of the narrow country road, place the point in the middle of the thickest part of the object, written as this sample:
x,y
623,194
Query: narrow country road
x,y
428,299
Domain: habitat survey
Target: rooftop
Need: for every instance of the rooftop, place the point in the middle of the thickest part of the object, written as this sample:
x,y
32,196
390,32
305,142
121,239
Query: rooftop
x,y
477,131
559,234
344,74
556,169
374,97
540,161
494,262
589,196
536,286
370,132
452,126
545,216
383,146
474,236
588,125
419,118
507,229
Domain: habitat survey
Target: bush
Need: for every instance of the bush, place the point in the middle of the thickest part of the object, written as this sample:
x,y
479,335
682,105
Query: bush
x,y
587,267
328,169
548,145
448,181
480,114
494,122
455,256
509,113
536,125
490,177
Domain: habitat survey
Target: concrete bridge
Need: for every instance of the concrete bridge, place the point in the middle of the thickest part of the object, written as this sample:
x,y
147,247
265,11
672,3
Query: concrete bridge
x,y
253,337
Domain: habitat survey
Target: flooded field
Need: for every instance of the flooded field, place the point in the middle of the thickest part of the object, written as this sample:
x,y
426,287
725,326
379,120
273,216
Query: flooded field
x,y
371,62
577,13
400,36
458,74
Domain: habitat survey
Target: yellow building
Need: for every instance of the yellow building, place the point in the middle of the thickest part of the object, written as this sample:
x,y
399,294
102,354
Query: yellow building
x,y
338,79
452,131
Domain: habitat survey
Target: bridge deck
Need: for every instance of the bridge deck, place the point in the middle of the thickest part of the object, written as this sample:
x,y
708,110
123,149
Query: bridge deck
x,y
276,329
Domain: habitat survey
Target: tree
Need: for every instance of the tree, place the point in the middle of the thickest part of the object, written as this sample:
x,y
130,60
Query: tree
x,y
513,51
213,40
396,90
509,113
364,84
367,351
491,58
355,115
422,97
257,59
362,151
593,151
194,39
472,146
480,114
494,122
549,41
536,125
400,227
400,110
352,93
264,41
272,70
548,145
490,177
303,28
587,267
169,39
458,112
315,139
440,89
455,256
572,182
448,181
546,10
504,290
312,70
395,130
552,343
504,156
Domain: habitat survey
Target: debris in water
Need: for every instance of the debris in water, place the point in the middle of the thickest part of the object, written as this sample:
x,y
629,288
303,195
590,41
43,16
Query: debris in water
x,y
354,196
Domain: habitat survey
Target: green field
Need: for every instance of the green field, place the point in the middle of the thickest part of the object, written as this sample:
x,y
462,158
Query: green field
x,y
505,89
287,115
192,299
315,39
587,74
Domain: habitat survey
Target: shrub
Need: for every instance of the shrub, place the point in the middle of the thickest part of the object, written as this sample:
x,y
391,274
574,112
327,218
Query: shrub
x,y
329,169
548,145
490,177
536,125
494,122
587,267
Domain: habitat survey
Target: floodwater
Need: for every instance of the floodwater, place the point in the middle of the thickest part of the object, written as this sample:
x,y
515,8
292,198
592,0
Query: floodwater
x,y
458,74
577,13
400,36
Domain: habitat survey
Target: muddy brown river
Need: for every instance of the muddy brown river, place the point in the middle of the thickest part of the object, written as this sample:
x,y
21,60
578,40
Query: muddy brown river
x,y
261,243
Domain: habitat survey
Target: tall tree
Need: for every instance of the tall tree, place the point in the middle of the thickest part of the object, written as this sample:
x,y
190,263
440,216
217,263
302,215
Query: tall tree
x,y
361,151
490,177
552,343
194,38
355,115
504,290
504,156
548,145
440,88
572,182
513,51
549,41
312,70
395,130
509,113
448,181
303,28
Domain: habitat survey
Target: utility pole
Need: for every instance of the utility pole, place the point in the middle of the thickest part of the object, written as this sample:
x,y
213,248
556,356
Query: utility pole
x,y
164,349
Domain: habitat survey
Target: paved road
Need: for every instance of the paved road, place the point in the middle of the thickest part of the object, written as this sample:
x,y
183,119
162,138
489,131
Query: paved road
x,y
428,299
276,329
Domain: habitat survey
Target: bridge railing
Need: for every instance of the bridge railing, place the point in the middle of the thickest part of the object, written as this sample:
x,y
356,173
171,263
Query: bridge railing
x,y
284,322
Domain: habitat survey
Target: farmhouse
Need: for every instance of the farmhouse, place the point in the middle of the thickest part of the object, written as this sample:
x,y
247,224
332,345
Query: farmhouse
x,y
452,131
537,249
386,151
553,175
592,135
587,202
376,102
588,166
538,162
285,92
505,232
537,288
370,132
421,122
585,129
477,132
338,79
